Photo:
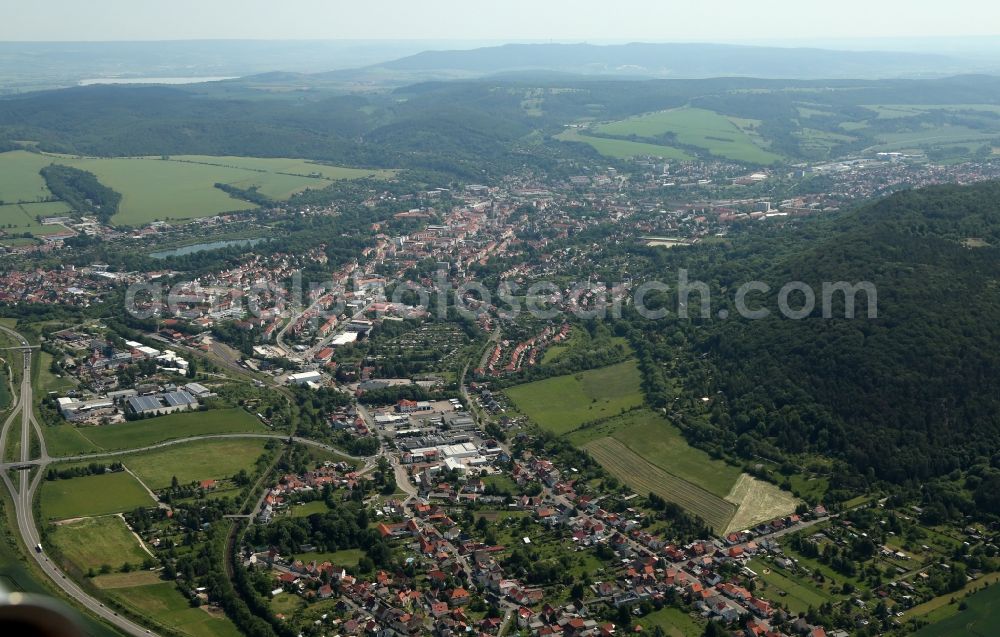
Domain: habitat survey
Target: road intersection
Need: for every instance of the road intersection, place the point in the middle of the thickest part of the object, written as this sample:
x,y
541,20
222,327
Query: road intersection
x,y
31,470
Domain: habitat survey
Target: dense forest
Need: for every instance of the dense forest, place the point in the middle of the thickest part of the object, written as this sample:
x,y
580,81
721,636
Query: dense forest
x,y
468,127
81,191
909,395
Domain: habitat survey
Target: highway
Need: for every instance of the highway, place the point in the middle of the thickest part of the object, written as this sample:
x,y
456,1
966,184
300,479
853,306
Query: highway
x,y
33,471
25,493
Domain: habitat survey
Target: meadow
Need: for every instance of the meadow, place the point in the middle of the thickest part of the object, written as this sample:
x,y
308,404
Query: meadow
x,y
623,149
142,433
195,461
92,496
20,180
45,381
563,403
21,218
162,188
93,542
673,621
305,509
66,440
13,451
786,589
718,492
980,595
348,557
661,443
705,129
644,478
164,604
6,398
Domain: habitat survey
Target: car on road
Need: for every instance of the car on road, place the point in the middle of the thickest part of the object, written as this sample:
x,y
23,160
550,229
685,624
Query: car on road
x,y
38,548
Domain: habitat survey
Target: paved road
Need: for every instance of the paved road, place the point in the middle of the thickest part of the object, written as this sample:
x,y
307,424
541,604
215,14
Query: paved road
x,y
177,441
24,495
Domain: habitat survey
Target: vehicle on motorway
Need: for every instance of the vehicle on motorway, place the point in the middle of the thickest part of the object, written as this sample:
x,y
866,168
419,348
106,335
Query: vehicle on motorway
x,y
38,548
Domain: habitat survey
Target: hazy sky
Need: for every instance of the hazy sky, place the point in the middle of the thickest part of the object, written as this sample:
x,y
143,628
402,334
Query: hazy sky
x,y
650,20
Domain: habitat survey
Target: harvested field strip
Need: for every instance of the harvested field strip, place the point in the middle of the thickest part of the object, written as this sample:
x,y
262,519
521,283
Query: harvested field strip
x,y
758,501
645,478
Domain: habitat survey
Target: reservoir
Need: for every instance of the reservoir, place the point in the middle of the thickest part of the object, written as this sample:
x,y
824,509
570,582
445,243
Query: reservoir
x,y
202,247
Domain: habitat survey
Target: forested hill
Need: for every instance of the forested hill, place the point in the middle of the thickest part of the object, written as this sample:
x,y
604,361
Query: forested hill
x,y
911,394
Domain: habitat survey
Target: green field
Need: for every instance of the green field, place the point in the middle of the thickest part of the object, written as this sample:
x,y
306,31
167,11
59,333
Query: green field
x,y
92,496
66,440
980,619
346,558
705,129
14,573
92,542
623,149
306,509
13,451
293,167
895,111
45,381
6,398
798,595
563,403
176,188
645,478
661,443
143,433
165,605
17,576
195,461
20,179
673,621
21,218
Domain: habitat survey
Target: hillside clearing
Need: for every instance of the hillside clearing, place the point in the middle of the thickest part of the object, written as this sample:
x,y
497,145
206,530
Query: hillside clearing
x,y
563,403
645,477
758,501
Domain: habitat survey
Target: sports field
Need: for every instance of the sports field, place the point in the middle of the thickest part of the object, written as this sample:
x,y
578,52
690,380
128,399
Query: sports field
x,y
195,461
645,477
705,129
93,542
563,403
92,496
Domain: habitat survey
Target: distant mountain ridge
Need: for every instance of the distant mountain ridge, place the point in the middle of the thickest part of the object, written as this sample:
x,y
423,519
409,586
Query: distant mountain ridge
x,y
679,60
